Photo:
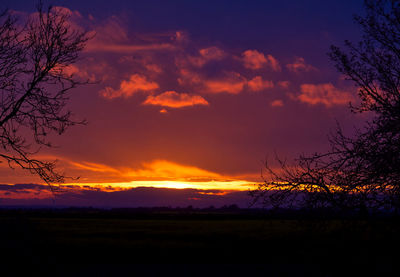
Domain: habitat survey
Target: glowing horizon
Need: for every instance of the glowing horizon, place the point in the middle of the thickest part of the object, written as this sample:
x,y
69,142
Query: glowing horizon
x,y
238,185
180,102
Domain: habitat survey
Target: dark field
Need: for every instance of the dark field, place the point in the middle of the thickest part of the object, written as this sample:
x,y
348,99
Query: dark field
x,y
110,243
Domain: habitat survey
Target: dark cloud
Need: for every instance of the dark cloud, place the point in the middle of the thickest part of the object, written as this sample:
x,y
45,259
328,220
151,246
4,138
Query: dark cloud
x,y
22,187
135,197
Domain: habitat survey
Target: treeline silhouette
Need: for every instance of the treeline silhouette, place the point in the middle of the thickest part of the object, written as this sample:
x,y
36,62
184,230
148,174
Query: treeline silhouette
x,y
192,213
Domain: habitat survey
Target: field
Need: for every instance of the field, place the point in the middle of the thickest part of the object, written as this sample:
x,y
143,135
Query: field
x,y
105,243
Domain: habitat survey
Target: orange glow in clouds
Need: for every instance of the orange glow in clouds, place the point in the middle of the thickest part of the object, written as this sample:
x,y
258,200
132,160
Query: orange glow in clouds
x,y
257,84
325,94
173,99
127,88
202,185
162,174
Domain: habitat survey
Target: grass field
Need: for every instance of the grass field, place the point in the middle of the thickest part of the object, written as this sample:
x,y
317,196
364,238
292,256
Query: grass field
x,y
66,243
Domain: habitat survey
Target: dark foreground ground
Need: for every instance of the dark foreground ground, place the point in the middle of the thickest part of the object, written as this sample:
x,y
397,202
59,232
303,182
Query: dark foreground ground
x,y
196,243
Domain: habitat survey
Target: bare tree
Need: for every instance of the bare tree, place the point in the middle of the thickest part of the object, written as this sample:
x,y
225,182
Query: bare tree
x,y
34,85
362,171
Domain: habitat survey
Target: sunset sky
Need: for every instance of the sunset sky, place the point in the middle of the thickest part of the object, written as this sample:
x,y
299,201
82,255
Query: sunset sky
x,y
192,95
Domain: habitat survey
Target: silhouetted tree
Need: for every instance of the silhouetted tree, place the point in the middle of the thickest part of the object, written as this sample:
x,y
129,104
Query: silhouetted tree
x,y
35,52
362,171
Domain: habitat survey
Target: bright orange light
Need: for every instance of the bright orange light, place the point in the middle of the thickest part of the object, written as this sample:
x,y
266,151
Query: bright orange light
x,y
219,185
161,174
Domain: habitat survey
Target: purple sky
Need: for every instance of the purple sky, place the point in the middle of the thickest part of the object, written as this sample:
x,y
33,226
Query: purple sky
x,y
195,91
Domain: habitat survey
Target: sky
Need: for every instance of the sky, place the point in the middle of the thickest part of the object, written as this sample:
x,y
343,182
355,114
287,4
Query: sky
x,y
190,98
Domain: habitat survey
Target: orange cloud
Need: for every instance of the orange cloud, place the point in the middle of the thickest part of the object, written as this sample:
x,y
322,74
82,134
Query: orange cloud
x,y
71,70
253,59
173,99
284,84
127,88
156,173
300,65
277,103
153,68
257,84
157,169
180,36
212,53
167,169
94,167
206,55
84,71
325,94
188,77
273,63
232,83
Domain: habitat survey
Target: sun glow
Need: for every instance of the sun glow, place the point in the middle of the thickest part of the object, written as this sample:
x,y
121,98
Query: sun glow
x,y
220,185
158,174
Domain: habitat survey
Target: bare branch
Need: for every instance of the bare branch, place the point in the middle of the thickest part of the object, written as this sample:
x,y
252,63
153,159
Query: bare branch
x,y
34,87
362,171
